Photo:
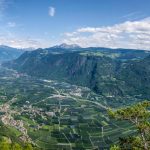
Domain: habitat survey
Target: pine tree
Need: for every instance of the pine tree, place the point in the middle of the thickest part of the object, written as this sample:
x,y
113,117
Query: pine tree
x,y
139,115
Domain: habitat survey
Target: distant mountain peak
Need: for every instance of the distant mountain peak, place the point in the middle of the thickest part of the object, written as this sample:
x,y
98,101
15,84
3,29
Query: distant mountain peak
x,y
67,46
4,46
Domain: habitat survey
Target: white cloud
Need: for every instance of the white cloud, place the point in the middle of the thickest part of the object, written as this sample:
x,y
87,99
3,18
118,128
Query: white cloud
x,y
70,34
51,11
136,15
22,42
11,24
130,34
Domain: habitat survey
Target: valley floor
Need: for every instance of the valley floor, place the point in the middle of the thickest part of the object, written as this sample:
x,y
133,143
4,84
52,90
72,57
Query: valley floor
x,y
56,115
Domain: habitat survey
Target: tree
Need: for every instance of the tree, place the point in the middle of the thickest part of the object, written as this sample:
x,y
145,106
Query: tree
x,y
115,147
16,146
4,145
28,147
139,115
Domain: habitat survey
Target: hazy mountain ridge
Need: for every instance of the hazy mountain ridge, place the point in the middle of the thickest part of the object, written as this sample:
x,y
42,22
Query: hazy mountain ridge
x,y
9,53
119,53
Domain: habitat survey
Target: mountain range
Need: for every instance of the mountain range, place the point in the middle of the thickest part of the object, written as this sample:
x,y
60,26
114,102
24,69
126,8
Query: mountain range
x,y
108,72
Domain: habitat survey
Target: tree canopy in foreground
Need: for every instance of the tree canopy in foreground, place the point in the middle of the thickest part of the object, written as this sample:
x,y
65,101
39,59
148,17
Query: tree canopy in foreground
x,y
139,115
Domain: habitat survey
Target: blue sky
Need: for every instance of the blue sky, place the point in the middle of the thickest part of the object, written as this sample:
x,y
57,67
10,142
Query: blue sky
x,y
106,23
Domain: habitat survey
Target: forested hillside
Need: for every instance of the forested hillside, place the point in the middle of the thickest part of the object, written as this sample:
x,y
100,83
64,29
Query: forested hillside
x,y
104,74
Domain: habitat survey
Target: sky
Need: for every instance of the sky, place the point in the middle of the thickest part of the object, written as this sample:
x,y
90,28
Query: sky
x,y
96,23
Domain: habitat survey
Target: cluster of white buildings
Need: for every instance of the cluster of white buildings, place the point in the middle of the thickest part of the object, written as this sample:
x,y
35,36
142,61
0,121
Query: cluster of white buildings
x,y
7,119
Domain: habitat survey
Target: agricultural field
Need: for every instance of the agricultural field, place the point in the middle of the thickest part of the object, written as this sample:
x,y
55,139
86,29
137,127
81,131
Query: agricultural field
x,y
57,115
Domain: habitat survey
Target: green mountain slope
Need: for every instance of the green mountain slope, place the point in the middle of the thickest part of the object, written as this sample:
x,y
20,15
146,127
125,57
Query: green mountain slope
x,y
106,76
136,76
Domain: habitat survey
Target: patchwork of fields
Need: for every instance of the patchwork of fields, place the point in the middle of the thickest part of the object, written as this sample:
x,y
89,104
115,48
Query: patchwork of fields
x,y
57,115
